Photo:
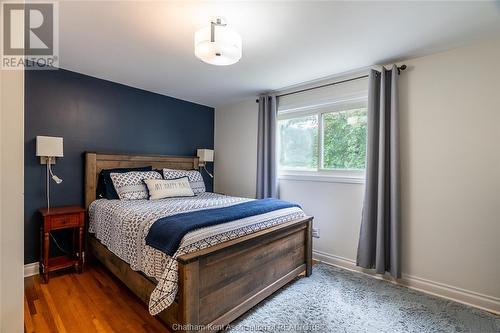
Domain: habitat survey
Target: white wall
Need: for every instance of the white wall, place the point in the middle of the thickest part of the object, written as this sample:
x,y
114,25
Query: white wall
x,y
336,208
236,149
450,150
450,147
11,200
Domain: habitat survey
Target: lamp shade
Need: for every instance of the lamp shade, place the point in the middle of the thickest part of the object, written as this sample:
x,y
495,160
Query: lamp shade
x,y
205,155
49,146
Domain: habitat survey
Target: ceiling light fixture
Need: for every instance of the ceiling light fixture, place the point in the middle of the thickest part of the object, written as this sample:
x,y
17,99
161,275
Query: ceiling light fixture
x,y
217,44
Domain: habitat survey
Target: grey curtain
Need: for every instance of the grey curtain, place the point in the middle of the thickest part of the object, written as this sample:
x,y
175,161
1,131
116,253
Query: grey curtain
x,y
267,185
379,239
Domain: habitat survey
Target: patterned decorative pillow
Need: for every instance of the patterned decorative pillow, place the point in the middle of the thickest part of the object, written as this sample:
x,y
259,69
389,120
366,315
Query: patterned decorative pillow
x,y
130,185
195,178
105,188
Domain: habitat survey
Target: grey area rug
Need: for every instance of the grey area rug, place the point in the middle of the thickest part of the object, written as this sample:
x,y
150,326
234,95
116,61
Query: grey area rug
x,y
336,300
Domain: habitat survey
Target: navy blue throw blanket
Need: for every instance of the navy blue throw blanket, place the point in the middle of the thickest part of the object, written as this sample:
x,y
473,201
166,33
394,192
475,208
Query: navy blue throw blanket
x,y
166,233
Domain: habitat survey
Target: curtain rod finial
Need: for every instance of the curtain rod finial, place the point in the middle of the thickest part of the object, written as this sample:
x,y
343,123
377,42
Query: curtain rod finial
x,y
401,68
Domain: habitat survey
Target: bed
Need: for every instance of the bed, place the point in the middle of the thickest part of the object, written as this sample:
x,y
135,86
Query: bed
x,y
200,287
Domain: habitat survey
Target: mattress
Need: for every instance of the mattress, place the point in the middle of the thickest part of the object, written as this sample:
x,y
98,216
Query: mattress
x,y
122,226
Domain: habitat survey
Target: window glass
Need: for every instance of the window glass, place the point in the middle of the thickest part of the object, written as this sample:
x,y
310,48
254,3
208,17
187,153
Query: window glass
x,y
344,139
298,143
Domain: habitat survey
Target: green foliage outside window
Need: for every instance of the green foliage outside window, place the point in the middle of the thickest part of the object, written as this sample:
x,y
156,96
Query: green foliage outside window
x,y
298,139
344,139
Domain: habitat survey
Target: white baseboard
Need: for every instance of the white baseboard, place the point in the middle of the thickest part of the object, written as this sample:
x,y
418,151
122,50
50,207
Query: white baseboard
x,y
31,269
481,301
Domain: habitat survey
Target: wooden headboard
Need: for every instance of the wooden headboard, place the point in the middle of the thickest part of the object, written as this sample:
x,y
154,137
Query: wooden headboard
x,y
95,162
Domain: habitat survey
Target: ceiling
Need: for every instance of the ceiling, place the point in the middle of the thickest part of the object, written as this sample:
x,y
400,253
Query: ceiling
x,y
149,45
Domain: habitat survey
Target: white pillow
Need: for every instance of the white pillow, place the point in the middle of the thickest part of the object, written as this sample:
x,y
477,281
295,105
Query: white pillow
x,y
169,188
130,185
195,178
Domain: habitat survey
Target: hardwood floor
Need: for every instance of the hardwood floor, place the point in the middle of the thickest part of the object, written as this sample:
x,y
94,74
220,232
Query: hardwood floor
x,y
93,301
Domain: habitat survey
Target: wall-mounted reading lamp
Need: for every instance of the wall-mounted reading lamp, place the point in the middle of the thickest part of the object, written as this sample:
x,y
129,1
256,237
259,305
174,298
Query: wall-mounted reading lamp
x,y
205,155
48,148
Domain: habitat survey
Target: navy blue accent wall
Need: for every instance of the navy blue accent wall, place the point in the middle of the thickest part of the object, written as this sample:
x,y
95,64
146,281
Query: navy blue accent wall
x,y
98,115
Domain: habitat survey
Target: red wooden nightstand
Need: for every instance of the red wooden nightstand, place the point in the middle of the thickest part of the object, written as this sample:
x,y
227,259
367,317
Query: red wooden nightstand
x,y
57,218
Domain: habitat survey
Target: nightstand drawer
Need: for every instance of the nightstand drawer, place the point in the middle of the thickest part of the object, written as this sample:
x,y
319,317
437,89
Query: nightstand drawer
x,y
64,221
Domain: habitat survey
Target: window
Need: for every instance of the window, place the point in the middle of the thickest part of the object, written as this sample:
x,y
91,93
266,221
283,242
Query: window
x,y
326,140
323,137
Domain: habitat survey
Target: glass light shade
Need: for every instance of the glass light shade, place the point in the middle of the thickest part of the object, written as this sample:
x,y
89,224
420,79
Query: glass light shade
x,y
225,50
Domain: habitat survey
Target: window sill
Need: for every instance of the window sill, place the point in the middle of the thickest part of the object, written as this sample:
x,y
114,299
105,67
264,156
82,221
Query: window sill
x,y
323,178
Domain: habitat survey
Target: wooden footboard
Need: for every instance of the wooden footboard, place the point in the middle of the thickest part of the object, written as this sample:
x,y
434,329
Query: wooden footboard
x,y
220,283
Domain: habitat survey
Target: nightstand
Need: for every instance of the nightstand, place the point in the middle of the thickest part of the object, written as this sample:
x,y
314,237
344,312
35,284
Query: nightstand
x,y
57,218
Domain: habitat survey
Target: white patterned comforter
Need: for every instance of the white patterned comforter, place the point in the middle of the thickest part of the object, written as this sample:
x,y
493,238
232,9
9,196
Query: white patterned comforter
x,y
122,226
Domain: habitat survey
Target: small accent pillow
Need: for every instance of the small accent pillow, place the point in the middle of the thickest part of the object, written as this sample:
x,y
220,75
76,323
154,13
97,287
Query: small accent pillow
x,y
105,188
195,178
130,185
169,188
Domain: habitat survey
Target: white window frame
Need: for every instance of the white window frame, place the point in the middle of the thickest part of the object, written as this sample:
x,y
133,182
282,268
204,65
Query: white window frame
x,y
322,174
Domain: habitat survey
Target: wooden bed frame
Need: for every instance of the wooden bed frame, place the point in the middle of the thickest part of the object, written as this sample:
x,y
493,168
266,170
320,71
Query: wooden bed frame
x,y
217,284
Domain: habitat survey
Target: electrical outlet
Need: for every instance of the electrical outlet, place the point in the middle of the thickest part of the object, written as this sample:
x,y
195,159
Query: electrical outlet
x,y
315,232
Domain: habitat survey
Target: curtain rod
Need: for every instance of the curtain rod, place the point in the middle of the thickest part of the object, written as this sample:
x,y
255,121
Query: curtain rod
x,y
400,68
